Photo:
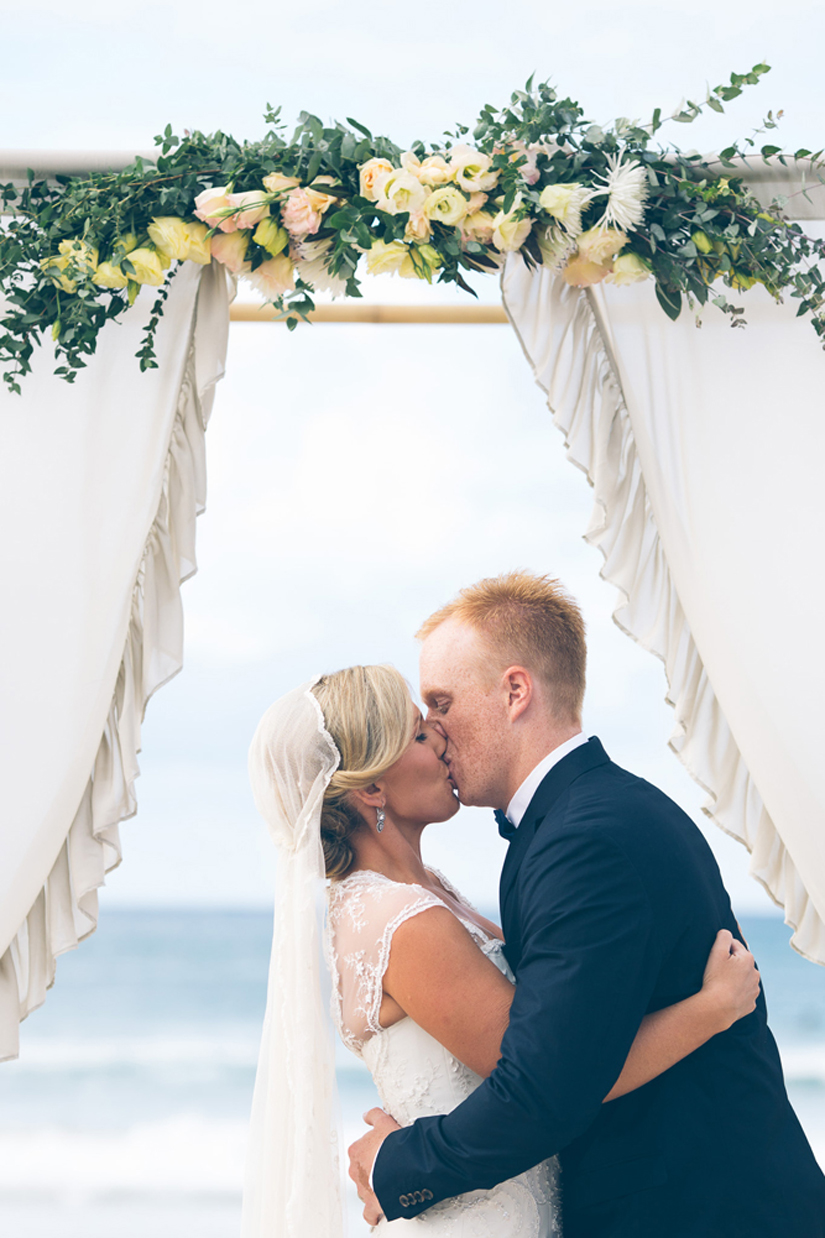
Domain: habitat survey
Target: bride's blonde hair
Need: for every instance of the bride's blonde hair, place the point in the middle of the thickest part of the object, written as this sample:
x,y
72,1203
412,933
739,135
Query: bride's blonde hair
x,y
371,717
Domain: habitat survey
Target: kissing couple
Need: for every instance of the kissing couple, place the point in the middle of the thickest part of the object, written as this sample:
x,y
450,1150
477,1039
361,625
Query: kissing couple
x,y
598,1067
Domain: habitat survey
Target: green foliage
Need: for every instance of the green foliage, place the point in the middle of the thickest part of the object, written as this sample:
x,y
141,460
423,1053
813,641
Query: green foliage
x,y
699,231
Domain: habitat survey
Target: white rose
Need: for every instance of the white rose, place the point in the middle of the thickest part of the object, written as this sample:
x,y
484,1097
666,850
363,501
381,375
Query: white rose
x,y
446,205
434,170
472,170
510,230
400,191
565,203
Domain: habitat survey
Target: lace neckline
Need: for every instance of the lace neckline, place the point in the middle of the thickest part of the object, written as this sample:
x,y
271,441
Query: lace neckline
x,y
476,930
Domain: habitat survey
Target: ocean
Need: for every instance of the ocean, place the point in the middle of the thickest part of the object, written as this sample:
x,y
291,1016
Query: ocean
x,y
127,1111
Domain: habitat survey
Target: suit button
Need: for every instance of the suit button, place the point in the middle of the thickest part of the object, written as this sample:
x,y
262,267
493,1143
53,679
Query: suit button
x,y
425,1195
404,1201
418,1197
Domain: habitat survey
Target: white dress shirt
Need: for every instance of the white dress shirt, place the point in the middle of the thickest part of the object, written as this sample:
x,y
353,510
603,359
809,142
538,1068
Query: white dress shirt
x,y
521,800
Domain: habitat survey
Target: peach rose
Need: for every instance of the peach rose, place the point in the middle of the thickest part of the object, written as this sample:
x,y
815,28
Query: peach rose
x,y
319,201
478,227
581,273
370,174
212,206
276,182
251,208
599,245
298,215
418,227
230,249
273,277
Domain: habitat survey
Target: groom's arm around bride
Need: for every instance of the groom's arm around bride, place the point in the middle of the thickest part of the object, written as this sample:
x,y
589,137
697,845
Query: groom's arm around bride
x,y
610,901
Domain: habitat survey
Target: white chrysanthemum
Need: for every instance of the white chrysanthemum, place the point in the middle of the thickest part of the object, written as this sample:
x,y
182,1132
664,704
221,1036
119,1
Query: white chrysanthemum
x,y
315,272
626,186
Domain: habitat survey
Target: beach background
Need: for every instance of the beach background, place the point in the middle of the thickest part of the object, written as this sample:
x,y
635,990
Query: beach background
x,y
127,1114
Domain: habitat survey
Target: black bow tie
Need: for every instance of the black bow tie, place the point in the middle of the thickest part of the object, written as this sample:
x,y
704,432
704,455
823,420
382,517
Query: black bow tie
x,y
505,826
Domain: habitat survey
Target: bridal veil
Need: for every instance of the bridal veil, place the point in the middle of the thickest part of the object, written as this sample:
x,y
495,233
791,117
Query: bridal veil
x,y
292,1186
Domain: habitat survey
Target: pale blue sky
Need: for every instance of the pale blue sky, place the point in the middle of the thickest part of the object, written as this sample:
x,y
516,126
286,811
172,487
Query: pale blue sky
x,y
359,476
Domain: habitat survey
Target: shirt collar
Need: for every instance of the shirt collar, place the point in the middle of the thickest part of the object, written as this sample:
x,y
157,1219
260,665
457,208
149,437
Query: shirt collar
x,y
521,800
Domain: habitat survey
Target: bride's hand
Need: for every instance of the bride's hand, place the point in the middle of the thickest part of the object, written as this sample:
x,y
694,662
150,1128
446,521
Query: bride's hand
x,y
731,981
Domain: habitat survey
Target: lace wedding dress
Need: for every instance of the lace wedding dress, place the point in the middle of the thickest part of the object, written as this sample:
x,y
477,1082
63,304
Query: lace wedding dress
x,y
414,1074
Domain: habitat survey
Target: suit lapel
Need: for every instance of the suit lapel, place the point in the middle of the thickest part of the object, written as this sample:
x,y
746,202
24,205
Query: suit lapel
x,y
588,756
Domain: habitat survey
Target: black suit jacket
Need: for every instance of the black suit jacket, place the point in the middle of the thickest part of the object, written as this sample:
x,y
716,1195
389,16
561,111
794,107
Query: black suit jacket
x,y
610,902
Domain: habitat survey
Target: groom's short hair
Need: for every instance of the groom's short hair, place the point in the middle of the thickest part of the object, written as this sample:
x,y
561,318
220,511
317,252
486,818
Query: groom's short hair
x,y
527,620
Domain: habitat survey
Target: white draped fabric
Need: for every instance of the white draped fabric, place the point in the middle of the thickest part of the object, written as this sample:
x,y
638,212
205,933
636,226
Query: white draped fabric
x,y
100,484
704,448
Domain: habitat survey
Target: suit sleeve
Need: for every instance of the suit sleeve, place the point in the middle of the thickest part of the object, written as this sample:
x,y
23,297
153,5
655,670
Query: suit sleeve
x,y
586,975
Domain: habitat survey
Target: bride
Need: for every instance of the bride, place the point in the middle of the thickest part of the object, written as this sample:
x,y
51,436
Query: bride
x,y
347,775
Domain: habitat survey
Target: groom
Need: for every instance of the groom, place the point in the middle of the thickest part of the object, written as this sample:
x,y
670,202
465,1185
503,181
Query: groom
x,y
610,902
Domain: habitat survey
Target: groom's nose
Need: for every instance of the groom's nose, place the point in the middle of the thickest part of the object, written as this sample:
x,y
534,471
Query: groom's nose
x,y
433,721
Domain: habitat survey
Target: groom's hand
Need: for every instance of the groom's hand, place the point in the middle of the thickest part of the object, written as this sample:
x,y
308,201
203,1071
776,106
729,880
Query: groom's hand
x,y
362,1156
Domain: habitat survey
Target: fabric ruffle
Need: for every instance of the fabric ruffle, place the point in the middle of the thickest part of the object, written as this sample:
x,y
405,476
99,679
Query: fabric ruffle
x,y
560,332
66,909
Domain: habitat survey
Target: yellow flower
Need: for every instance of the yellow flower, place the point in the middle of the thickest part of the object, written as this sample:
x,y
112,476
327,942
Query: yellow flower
x,y
420,262
702,242
385,259
168,234
146,266
581,273
199,247
271,236
76,257
628,269
446,205
109,276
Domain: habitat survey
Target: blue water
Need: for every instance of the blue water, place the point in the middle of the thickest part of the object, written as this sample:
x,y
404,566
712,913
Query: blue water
x,y
128,1108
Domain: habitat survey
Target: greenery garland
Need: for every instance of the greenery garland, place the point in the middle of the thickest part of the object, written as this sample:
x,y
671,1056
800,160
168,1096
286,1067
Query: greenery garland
x,y
295,217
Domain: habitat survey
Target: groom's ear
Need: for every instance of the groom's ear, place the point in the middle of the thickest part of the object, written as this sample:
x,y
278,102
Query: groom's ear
x,y
518,685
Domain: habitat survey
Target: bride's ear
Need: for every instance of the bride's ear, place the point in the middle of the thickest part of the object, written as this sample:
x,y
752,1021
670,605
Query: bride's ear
x,y
371,796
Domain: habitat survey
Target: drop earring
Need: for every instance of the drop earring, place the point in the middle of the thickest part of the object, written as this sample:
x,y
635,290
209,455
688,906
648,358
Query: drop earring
x,y
380,817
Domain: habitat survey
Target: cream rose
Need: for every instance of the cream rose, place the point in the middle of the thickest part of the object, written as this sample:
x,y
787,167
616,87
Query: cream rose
x,y
385,258
400,191
628,269
273,277
566,203
434,170
478,227
446,205
370,173
276,182
418,228
229,248
146,267
472,170
510,231
271,236
599,245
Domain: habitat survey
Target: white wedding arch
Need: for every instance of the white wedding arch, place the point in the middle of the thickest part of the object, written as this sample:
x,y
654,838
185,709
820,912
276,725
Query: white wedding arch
x,y
703,448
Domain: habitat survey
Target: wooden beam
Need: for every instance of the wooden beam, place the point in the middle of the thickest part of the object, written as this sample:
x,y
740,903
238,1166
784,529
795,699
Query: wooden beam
x,y
349,311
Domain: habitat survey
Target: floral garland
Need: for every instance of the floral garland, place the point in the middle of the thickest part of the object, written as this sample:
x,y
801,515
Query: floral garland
x,y
294,218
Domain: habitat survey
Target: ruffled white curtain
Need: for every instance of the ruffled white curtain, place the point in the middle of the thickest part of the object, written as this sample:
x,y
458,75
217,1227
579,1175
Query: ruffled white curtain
x,y
705,449
100,484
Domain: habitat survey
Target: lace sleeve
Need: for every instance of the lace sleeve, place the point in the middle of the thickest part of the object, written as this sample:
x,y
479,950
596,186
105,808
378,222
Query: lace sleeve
x,y
364,912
